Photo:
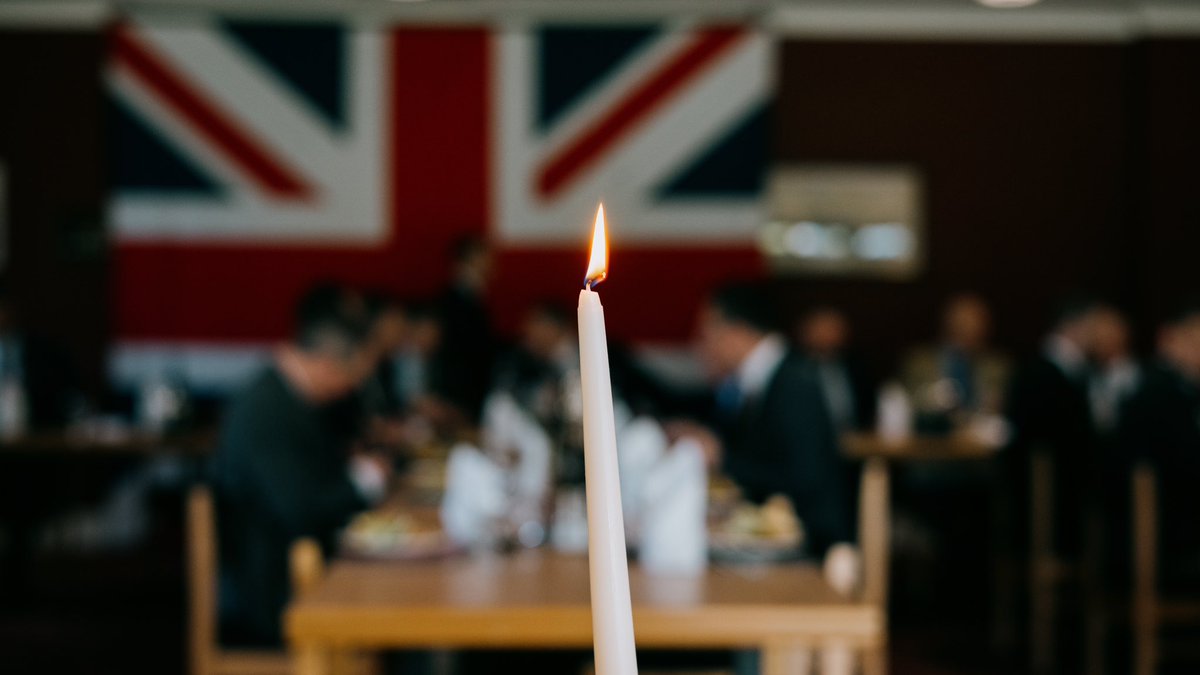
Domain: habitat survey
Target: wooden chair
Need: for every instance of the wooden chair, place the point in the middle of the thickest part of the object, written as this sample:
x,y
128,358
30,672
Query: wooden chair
x,y
1050,571
306,567
1150,611
874,534
206,655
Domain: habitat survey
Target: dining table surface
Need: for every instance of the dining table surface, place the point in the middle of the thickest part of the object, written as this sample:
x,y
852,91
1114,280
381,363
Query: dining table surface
x,y
540,599
955,446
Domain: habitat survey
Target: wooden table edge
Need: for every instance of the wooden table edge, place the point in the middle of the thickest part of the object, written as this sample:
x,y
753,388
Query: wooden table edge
x,y
857,624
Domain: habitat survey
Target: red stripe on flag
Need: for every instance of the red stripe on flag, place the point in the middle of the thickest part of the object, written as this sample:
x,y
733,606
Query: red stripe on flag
x,y
651,295
215,125
567,164
216,294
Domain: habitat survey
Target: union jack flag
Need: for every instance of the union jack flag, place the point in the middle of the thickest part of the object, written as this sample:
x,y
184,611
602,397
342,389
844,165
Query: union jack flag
x,y
253,158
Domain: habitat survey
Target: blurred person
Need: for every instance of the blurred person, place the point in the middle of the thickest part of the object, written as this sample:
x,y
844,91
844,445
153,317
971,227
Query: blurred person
x,y
414,361
775,435
1161,424
1048,401
39,386
462,368
282,470
541,376
1115,373
1049,411
388,337
547,352
824,336
962,374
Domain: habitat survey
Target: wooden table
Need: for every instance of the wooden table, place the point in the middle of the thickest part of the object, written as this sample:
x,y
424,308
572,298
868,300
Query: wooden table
x,y
952,447
539,599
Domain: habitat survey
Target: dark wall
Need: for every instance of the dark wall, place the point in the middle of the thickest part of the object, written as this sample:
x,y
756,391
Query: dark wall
x,y
1024,150
1167,221
51,125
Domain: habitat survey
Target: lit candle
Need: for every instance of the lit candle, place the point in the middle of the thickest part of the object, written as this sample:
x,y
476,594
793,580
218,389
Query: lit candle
x,y
612,616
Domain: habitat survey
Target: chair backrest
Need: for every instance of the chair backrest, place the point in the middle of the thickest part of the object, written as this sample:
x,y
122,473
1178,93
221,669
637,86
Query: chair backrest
x,y
1145,530
202,580
307,565
874,530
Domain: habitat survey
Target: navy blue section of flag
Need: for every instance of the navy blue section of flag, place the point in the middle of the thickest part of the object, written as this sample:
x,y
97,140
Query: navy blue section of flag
x,y
310,57
145,161
734,166
572,60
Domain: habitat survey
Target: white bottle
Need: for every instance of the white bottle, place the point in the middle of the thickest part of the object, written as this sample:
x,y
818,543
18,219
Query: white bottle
x,y
895,413
158,404
14,410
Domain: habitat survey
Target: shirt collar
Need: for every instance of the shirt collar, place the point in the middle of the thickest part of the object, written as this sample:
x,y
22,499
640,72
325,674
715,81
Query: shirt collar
x,y
1065,354
760,364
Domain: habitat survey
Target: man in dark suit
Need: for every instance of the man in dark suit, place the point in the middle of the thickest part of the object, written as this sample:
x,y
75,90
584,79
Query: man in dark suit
x,y
282,470
1049,410
462,366
1048,399
824,335
775,433
1161,424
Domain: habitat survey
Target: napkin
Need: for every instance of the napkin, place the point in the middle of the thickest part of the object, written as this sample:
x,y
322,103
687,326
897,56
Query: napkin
x,y
474,497
674,537
640,444
508,428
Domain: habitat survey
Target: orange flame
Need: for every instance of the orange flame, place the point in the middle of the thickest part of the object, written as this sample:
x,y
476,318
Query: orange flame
x,y
598,266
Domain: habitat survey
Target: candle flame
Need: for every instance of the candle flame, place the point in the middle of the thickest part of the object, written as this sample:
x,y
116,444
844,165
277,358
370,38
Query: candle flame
x,y
598,266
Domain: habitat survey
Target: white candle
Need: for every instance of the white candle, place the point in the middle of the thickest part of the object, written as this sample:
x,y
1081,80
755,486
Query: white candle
x,y
612,616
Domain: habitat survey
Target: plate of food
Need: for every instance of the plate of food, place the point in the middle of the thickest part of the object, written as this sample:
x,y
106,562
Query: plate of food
x,y
395,535
757,533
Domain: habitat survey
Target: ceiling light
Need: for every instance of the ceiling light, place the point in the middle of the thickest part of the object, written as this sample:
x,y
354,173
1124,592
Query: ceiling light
x,y
1006,4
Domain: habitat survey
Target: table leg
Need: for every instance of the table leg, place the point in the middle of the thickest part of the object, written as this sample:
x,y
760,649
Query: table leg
x,y
836,659
1042,564
312,659
786,658
874,660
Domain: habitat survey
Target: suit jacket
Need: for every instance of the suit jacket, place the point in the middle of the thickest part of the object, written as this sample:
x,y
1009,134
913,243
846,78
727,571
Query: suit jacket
x,y
280,473
782,441
1047,407
462,367
924,367
1161,423
861,390
1049,410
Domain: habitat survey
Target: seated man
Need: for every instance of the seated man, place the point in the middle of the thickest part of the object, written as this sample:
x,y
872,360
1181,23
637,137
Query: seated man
x,y
824,336
1049,412
1116,372
961,375
775,434
282,470
1161,423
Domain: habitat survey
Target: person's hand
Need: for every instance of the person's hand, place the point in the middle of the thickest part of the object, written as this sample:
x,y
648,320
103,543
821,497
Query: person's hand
x,y
710,445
